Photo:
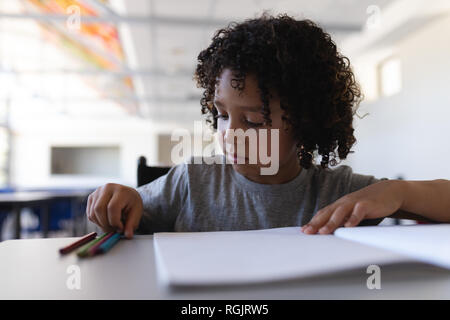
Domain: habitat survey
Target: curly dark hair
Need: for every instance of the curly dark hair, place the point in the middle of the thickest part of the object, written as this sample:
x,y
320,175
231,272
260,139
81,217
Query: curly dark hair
x,y
299,60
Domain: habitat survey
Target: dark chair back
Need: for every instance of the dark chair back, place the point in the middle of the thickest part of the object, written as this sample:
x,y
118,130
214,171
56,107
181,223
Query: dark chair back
x,y
146,174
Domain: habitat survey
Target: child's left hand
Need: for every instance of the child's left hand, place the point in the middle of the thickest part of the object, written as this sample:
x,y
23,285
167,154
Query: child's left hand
x,y
377,200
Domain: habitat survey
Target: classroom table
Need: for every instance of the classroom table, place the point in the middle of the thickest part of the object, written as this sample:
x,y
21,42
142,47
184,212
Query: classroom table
x,y
34,269
16,201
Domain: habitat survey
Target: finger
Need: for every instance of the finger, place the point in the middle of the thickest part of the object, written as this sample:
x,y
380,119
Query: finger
x,y
90,208
114,212
88,205
100,211
318,220
336,219
132,221
359,212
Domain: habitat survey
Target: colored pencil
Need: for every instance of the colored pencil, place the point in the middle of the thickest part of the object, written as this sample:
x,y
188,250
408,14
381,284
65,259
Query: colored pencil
x,y
108,244
78,243
83,251
93,250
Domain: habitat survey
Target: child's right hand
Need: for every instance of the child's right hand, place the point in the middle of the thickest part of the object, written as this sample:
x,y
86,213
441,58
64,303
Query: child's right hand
x,y
114,207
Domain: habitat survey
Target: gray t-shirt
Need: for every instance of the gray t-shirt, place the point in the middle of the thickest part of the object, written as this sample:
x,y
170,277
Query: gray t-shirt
x,y
214,197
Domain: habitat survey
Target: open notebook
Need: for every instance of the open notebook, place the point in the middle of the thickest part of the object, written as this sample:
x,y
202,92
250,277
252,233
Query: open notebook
x,y
237,257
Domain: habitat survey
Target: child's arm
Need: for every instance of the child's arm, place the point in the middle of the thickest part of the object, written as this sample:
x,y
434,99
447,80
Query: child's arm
x,y
150,208
426,200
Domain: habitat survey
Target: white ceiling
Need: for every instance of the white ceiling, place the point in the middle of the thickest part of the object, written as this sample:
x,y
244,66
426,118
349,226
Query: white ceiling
x,y
174,47
165,48
162,38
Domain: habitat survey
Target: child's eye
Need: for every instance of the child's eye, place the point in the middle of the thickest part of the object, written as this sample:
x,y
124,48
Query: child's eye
x,y
254,124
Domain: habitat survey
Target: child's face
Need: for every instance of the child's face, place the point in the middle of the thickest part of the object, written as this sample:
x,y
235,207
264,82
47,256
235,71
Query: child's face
x,y
242,110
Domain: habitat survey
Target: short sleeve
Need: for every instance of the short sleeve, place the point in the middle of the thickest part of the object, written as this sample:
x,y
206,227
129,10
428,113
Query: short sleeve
x,y
162,201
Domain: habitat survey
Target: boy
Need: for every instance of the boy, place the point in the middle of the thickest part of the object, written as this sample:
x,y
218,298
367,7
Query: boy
x,y
285,76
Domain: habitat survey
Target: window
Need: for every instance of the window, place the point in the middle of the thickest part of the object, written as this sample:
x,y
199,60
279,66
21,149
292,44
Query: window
x,y
390,77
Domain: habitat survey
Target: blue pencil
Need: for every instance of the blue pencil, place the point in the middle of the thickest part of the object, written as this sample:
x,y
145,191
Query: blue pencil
x,y
108,244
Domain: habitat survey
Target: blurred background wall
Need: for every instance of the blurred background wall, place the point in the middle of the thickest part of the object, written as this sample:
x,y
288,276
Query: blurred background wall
x,y
405,75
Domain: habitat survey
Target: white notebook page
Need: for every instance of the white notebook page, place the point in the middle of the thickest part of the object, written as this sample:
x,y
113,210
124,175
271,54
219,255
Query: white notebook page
x,y
234,257
427,243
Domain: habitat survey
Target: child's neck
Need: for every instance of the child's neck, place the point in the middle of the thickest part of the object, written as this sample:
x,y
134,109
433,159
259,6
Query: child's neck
x,y
286,172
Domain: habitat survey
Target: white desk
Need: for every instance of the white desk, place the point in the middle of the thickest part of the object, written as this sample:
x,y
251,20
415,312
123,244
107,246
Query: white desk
x,y
33,269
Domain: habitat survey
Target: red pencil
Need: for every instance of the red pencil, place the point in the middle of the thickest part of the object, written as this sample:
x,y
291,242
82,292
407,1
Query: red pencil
x,y
78,243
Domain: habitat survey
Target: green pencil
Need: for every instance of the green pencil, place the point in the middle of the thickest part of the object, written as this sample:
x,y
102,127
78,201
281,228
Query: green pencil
x,y
83,251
